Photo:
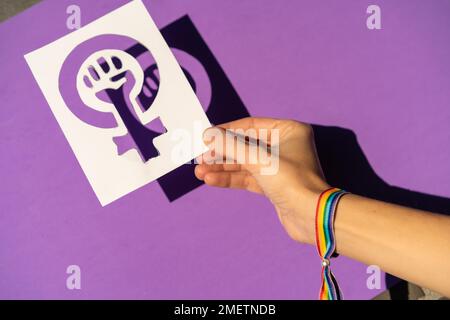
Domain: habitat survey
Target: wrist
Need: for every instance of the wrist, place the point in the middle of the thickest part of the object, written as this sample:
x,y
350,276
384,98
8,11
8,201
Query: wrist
x,y
307,212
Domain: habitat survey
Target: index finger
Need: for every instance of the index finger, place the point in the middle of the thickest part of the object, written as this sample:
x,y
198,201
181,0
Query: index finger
x,y
251,123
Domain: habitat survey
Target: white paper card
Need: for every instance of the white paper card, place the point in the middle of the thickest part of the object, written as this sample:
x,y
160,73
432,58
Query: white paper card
x,y
113,175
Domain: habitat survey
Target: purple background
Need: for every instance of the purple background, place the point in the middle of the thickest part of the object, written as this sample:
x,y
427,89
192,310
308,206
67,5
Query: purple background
x,y
310,60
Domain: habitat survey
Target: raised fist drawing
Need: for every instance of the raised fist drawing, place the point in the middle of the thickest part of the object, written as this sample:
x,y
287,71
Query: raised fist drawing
x,y
109,70
110,81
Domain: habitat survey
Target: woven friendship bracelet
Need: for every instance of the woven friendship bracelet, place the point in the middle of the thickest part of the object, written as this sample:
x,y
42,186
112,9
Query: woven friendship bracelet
x,y
325,240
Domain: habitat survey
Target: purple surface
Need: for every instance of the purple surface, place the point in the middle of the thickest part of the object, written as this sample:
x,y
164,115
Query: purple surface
x,y
309,60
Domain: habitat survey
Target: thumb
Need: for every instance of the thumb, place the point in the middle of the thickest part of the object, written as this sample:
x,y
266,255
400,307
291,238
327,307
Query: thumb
x,y
228,146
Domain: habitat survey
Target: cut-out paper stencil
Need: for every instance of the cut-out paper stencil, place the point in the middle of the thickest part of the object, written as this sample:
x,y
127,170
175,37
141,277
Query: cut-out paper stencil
x,y
95,89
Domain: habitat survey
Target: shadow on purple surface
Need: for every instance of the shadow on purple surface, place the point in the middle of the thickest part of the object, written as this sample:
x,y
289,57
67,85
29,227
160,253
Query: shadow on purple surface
x,y
224,104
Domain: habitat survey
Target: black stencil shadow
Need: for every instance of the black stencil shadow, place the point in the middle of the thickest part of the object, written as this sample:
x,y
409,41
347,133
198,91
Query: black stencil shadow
x,y
345,166
225,104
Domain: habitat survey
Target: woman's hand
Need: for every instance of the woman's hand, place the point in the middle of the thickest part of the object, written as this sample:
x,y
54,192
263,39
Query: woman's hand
x,y
293,189
409,243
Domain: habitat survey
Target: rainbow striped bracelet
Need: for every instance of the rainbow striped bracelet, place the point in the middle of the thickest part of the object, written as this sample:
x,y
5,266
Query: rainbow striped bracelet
x,y
325,240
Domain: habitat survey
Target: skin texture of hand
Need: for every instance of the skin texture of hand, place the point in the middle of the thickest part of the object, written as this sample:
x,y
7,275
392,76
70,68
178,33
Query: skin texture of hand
x,y
408,243
292,190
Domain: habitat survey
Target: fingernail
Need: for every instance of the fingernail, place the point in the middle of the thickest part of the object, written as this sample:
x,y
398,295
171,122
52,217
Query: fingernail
x,y
207,132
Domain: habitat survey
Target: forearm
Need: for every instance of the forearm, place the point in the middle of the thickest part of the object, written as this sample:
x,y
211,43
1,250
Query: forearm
x,y
408,243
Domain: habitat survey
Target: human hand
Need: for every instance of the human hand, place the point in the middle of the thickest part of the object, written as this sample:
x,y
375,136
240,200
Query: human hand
x,y
293,189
